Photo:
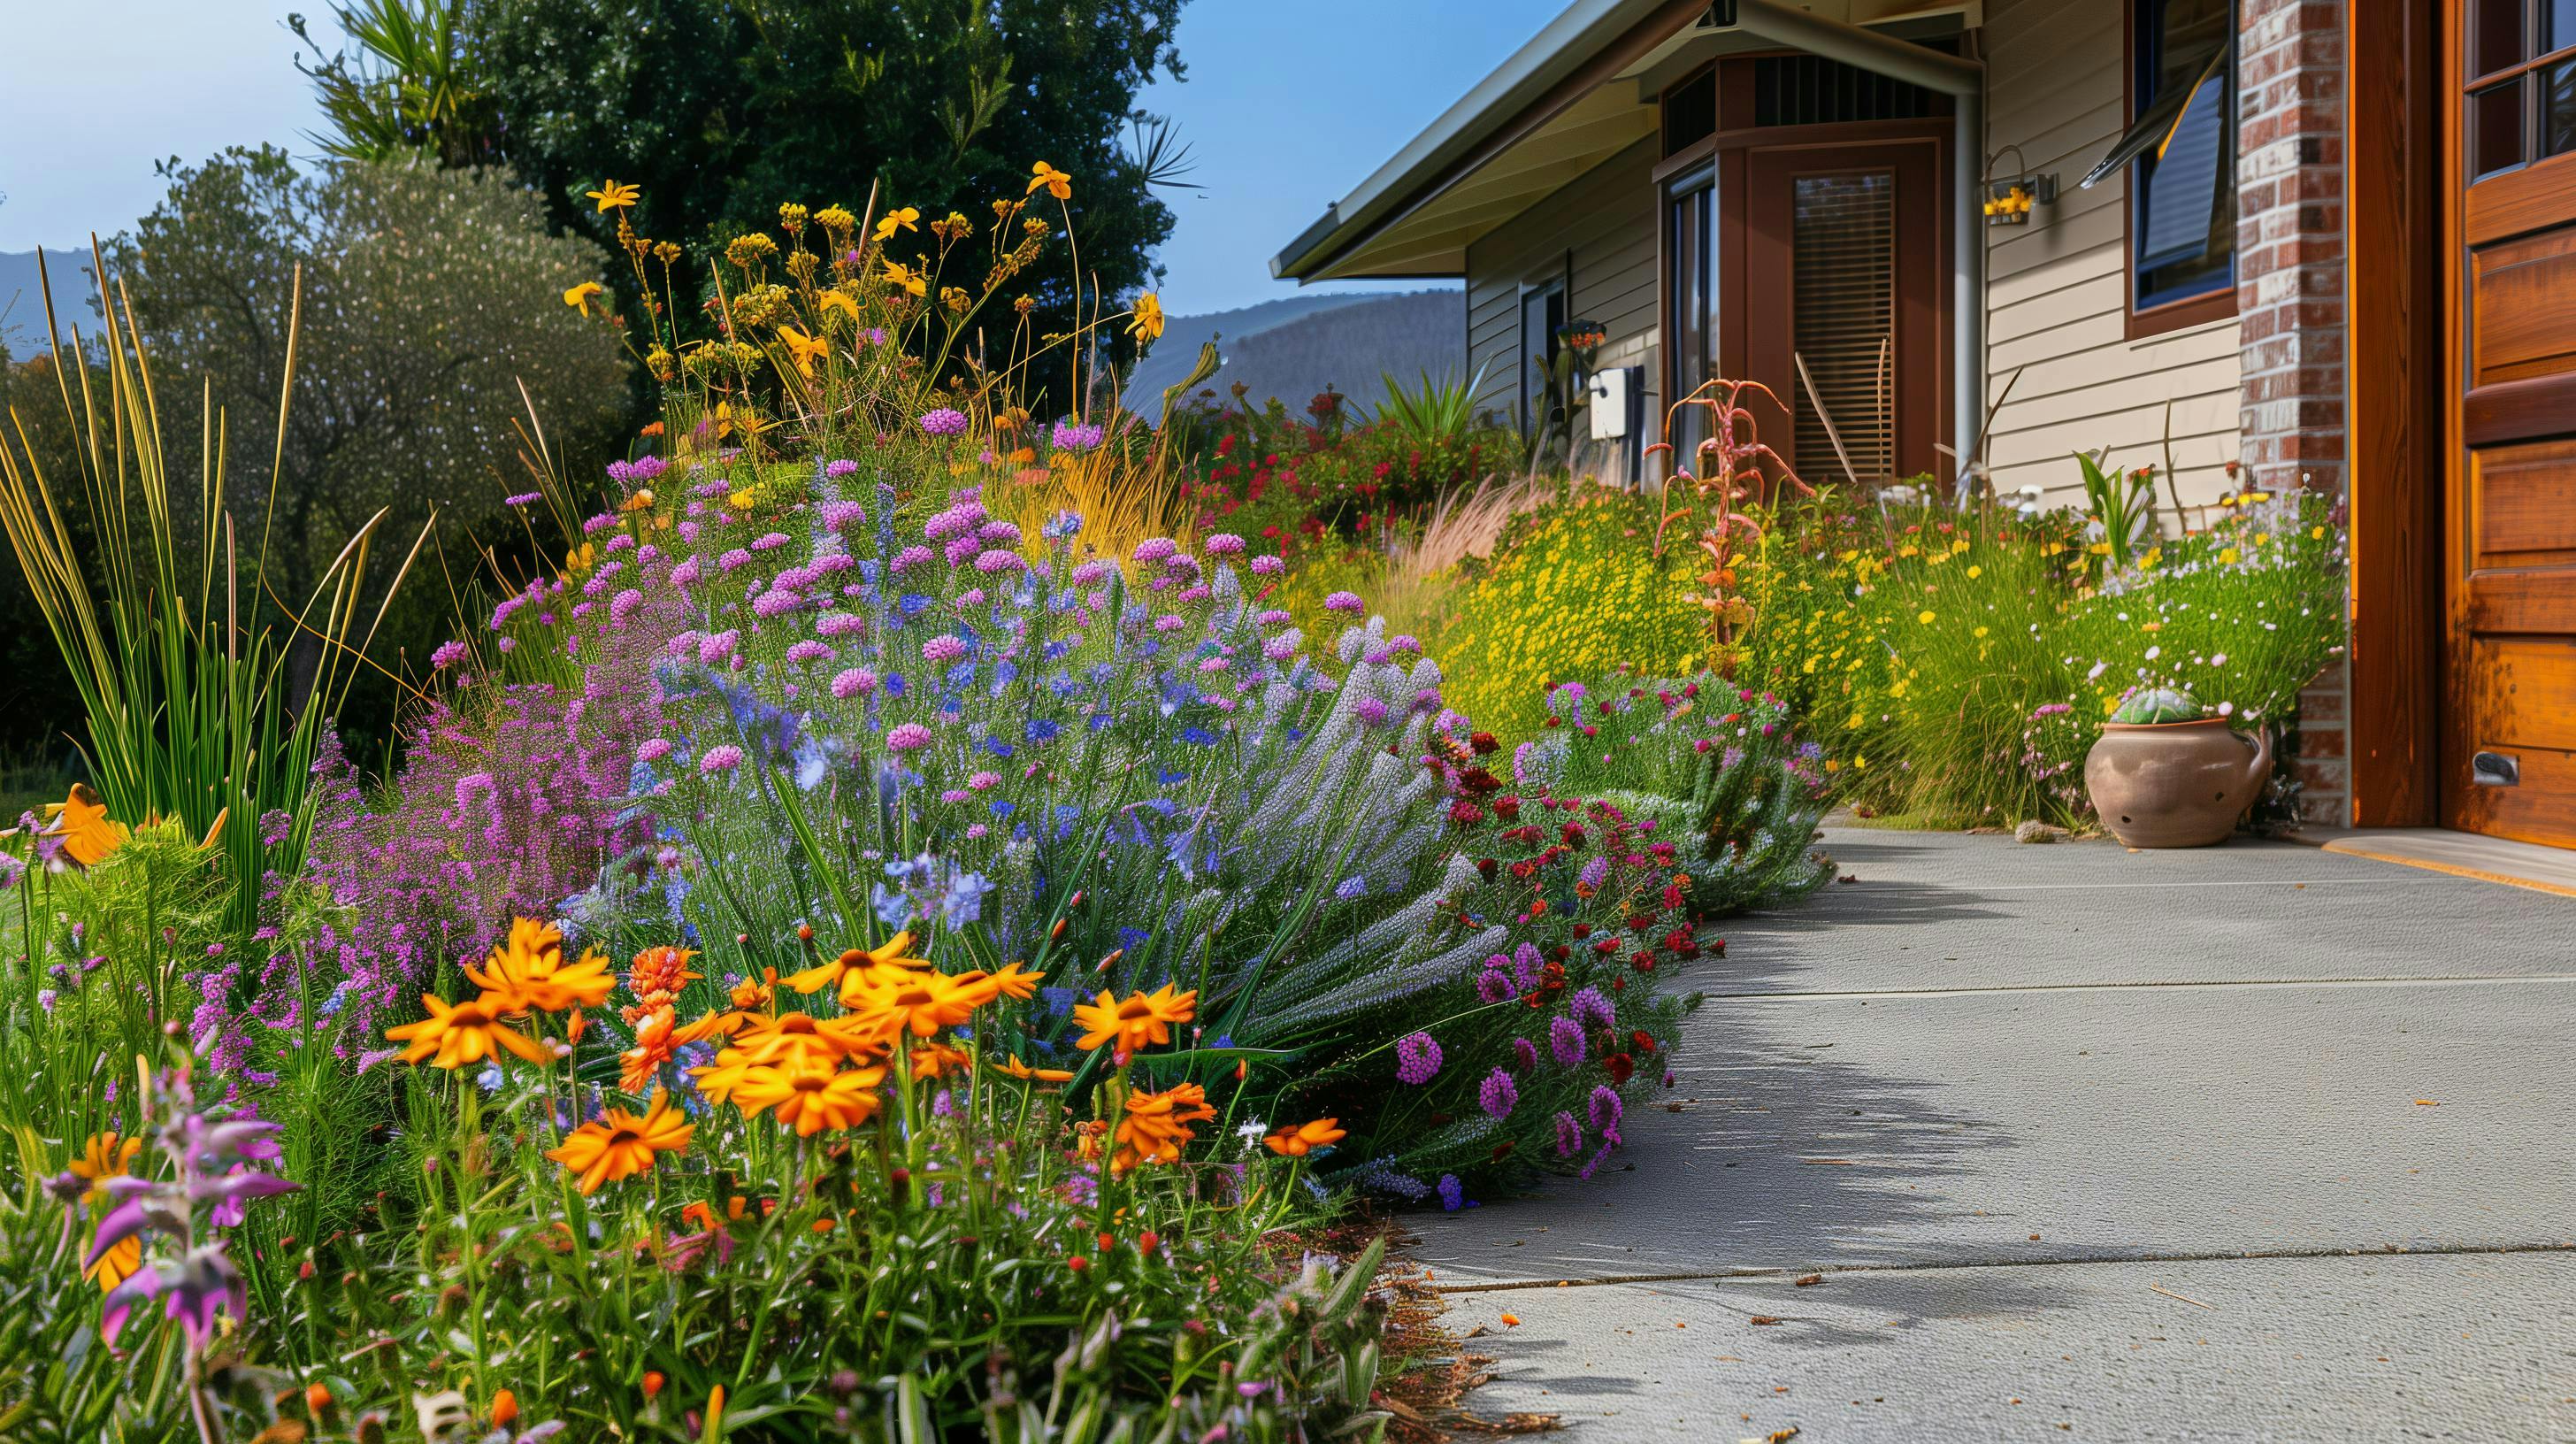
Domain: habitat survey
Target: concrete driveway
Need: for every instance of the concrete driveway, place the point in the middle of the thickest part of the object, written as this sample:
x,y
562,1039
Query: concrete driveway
x,y
2255,1142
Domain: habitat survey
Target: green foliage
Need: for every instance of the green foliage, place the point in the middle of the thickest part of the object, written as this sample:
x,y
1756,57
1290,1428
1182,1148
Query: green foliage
x,y
1715,766
1575,590
408,89
1957,669
2122,505
1439,413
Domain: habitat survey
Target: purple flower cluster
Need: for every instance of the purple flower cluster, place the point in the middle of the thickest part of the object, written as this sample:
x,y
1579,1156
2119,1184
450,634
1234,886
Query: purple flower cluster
x,y
1417,1058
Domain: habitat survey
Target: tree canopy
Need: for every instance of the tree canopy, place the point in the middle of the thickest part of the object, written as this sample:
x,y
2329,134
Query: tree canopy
x,y
722,110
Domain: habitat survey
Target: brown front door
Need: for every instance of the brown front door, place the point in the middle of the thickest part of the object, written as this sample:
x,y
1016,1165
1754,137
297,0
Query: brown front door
x,y
2509,744
1845,255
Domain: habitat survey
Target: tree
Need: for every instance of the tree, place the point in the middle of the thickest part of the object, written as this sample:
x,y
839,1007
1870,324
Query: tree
x,y
429,297
723,110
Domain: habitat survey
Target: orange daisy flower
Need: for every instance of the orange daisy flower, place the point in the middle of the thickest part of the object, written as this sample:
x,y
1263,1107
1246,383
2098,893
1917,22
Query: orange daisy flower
x,y
529,972
464,1034
619,1144
810,1096
1305,1138
878,964
1143,1019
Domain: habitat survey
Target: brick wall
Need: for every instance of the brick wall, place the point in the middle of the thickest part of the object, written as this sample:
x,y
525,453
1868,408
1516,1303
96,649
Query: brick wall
x,y
2290,304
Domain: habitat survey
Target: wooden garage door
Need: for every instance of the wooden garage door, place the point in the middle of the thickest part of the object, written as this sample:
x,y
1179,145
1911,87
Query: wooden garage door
x,y
2509,755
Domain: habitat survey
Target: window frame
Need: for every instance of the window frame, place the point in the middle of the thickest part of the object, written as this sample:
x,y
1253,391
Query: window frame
x,y
2219,303
1688,182
1559,282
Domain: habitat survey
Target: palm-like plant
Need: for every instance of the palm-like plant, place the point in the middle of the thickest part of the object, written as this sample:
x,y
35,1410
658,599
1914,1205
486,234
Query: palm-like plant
x,y
1435,412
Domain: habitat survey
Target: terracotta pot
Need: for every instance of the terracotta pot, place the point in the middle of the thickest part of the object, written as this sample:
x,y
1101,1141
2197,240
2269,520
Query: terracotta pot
x,y
2175,784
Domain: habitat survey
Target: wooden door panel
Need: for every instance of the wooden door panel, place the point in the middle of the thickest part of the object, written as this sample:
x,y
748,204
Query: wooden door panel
x,y
2524,507
2524,297
2525,695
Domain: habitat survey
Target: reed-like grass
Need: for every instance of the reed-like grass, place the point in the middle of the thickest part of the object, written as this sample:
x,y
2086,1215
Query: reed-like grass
x,y
200,691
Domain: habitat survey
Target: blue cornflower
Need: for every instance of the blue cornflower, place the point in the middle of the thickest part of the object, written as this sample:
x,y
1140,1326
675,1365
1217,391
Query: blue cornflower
x,y
1198,737
1042,729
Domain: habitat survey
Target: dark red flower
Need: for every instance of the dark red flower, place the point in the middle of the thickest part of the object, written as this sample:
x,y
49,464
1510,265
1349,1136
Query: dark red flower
x,y
1621,1067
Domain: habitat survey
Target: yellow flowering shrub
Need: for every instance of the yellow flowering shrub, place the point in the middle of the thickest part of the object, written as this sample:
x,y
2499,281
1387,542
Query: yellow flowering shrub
x,y
1575,592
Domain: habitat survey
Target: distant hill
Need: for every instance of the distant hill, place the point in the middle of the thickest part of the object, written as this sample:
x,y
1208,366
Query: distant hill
x,y
22,302
1293,348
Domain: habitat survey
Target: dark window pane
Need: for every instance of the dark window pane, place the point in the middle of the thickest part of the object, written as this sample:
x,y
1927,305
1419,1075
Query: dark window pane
x,y
1690,111
2182,189
2495,129
2558,108
1693,248
2499,35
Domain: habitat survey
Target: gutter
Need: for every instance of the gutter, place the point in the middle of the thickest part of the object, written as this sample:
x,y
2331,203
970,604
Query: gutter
x,y
1964,81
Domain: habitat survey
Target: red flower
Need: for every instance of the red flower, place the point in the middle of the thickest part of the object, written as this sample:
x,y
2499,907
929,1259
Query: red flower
x,y
1621,1067
1465,813
1507,807
1484,743
1645,1041
1643,960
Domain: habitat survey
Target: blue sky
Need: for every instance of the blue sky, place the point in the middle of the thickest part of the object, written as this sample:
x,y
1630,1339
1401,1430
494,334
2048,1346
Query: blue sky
x,y
1286,108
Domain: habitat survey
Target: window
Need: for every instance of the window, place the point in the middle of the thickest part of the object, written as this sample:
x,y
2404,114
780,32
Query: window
x,y
1690,112
1542,317
1690,248
2180,152
2522,78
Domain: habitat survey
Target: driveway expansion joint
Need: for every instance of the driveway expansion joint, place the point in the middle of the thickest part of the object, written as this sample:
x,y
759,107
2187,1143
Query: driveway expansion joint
x,y
2097,1260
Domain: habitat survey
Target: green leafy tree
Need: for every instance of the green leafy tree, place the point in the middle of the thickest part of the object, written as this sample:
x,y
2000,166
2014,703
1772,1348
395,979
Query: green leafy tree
x,y
429,299
722,110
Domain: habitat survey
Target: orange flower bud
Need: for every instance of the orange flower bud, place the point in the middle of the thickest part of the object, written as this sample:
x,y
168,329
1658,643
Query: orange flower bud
x,y
1077,1263
505,1409
316,1399
652,1383
1106,1242
1148,1241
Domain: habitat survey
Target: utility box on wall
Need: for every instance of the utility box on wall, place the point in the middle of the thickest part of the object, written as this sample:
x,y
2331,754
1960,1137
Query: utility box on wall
x,y
1618,416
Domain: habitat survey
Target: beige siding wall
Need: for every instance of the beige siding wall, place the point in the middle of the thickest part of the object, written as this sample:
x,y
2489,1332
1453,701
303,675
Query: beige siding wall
x,y
2056,289
1605,222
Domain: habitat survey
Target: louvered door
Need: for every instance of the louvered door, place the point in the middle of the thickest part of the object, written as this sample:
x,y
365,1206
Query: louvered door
x,y
1843,271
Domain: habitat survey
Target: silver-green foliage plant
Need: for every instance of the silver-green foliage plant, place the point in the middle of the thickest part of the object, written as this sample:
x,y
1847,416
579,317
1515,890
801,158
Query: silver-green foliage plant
x,y
1714,763
2157,704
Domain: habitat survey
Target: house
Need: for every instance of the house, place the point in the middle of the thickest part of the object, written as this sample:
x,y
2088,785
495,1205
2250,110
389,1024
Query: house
x,y
2329,243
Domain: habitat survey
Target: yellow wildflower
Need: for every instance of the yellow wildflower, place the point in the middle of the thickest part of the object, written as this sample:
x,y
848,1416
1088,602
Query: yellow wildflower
x,y
903,219
1057,183
579,296
613,196
1148,322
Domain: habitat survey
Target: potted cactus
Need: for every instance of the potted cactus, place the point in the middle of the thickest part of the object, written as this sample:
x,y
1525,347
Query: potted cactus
x,y
2164,773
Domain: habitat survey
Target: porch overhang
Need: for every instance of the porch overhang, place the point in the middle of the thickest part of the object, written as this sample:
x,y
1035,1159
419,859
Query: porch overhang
x,y
1582,90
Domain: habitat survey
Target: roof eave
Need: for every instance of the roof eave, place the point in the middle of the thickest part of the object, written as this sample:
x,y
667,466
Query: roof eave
x,y
1564,45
